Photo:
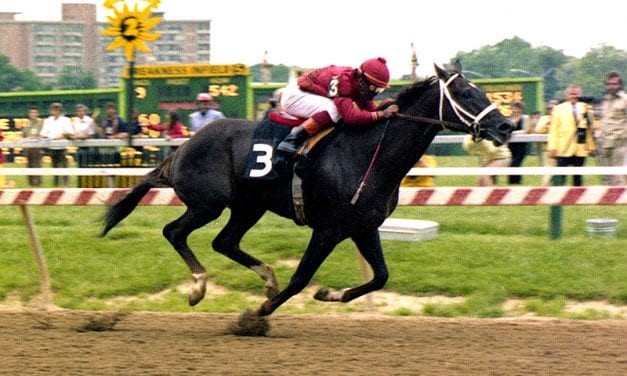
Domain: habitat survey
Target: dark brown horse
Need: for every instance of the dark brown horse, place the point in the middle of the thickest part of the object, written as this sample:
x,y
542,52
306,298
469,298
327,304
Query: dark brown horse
x,y
206,173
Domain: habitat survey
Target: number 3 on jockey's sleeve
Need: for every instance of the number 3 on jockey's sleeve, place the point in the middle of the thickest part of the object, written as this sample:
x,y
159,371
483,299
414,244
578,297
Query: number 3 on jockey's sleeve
x,y
334,85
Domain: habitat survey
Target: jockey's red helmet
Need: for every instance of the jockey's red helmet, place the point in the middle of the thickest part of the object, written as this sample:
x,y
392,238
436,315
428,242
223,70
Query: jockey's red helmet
x,y
376,71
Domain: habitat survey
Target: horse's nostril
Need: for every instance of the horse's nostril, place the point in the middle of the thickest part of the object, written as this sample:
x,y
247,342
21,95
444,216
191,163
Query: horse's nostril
x,y
504,128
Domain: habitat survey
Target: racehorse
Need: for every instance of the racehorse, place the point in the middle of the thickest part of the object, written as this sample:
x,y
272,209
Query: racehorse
x,y
206,174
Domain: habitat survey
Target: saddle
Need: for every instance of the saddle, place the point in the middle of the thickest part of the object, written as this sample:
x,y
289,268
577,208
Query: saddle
x,y
290,121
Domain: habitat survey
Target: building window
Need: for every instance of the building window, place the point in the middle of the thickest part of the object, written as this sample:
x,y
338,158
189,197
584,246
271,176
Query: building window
x,y
203,26
203,37
45,39
45,59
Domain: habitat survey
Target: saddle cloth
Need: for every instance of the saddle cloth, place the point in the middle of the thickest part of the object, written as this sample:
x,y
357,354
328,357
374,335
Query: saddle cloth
x,y
266,137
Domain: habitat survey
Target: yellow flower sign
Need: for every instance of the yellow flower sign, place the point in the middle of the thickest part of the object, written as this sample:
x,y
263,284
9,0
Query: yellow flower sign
x,y
131,27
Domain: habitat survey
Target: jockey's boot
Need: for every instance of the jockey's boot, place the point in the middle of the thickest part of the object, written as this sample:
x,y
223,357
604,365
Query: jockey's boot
x,y
293,142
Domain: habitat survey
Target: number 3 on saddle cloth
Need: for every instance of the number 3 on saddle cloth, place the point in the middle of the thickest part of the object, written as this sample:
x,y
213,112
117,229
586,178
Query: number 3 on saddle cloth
x,y
262,163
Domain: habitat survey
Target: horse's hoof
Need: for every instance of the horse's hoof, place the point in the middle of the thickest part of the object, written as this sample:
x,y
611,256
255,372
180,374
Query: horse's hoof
x,y
329,295
197,293
250,324
193,300
322,294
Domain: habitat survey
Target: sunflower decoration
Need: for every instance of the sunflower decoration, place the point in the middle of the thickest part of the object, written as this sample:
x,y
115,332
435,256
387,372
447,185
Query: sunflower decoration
x,y
131,28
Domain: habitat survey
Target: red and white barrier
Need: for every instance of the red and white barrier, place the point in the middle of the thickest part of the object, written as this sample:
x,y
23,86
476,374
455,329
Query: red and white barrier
x,y
494,196
83,196
438,196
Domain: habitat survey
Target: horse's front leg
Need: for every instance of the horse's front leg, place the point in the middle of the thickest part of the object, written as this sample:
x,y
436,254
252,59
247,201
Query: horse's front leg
x,y
320,246
369,246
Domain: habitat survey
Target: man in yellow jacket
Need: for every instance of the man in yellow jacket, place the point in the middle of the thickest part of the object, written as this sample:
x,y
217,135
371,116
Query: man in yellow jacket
x,y
570,134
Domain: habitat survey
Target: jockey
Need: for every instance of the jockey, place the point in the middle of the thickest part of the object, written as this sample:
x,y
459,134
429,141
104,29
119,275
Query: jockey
x,y
326,95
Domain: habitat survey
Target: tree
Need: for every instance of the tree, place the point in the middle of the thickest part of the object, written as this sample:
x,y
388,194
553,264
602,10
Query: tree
x,y
515,58
279,73
589,71
12,79
31,82
77,78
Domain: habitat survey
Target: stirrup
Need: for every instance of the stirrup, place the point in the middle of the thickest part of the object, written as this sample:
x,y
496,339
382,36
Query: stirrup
x,y
286,147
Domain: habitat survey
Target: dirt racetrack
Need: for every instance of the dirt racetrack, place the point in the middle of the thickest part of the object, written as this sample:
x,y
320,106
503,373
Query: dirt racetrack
x,y
62,343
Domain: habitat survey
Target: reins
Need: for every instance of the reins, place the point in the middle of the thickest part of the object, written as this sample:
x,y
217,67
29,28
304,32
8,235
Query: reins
x,y
421,119
374,158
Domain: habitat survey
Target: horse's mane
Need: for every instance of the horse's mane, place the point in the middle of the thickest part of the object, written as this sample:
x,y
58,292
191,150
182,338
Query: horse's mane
x,y
408,94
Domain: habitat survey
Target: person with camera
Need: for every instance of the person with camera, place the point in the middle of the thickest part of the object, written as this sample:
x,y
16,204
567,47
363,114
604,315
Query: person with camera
x,y
570,134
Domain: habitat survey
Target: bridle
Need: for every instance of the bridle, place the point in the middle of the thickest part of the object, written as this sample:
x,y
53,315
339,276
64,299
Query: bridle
x,y
471,122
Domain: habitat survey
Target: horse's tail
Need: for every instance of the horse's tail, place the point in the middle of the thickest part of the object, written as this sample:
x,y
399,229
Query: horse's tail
x,y
120,210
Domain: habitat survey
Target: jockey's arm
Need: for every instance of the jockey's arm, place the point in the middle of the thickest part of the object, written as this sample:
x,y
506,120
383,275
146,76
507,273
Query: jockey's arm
x,y
352,114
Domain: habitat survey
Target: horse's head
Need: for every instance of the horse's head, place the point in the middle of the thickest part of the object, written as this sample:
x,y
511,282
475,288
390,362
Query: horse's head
x,y
462,101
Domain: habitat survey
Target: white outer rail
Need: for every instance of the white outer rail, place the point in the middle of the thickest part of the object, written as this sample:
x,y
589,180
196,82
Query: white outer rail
x,y
429,171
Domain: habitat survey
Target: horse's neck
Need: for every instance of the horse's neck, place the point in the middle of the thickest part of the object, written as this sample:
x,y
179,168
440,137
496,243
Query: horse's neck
x,y
408,142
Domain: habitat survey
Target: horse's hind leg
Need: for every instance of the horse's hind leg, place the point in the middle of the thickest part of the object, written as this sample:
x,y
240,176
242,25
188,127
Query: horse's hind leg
x,y
177,232
228,243
369,246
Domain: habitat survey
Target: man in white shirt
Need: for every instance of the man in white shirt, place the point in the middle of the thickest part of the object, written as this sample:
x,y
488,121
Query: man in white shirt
x,y
205,114
57,127
83,125
84,128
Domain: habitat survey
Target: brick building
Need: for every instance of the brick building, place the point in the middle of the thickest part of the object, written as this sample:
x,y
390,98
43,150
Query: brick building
x,y
46,47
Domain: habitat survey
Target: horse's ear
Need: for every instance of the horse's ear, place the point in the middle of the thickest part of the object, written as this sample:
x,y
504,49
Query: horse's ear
x,y
442,74
457,67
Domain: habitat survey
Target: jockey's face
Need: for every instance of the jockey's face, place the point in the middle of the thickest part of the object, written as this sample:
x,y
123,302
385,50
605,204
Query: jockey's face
x,y
367,89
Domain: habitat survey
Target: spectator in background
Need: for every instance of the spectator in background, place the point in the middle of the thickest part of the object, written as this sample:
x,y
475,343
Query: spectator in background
x,y
57,127
135,126
542,127
84,128
425,161
3,161
172,128
272,107
535,147
518,149
207,113
31,131
274,103
612,133
570,136
489,156
112,125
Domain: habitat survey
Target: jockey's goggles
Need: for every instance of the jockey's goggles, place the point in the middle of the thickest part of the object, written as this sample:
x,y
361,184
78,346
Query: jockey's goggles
x,y
376,89
372,87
